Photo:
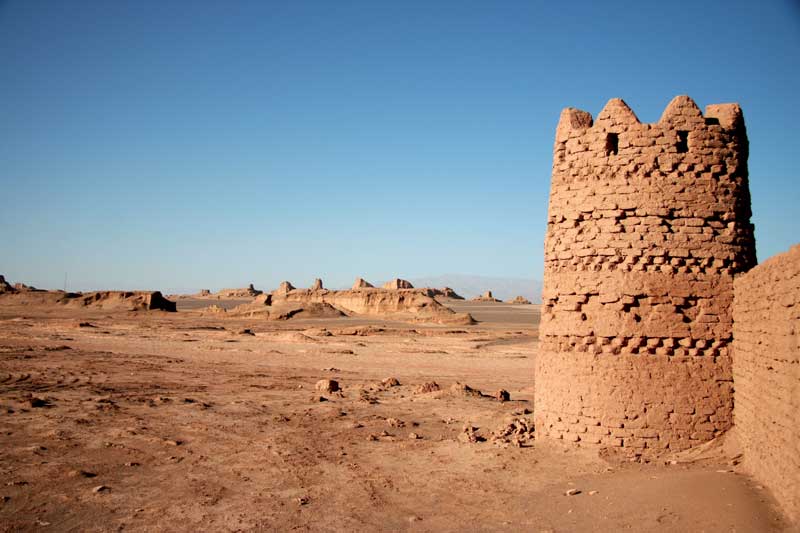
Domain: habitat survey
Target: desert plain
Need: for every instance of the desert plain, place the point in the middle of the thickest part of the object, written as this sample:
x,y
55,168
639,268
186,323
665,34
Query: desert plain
x,y
120,420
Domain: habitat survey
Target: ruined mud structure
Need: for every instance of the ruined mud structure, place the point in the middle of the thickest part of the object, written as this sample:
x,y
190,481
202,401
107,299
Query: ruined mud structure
x,y
648,224
766,374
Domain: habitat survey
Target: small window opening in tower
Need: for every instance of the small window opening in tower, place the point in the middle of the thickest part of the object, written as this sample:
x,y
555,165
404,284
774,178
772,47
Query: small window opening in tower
x,y
612,144
683,142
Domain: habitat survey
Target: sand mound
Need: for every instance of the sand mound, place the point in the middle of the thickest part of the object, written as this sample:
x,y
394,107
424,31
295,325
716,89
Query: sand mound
x,y
520,300
485,297
121,300
269,307
445,292
360,283
248,292
397,284
308,310
213,310
406,304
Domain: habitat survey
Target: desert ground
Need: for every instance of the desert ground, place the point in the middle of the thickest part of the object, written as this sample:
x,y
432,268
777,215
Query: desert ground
x,y
191,421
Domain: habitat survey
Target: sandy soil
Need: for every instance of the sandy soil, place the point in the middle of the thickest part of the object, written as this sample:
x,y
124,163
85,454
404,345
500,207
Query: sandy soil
x,y
180,422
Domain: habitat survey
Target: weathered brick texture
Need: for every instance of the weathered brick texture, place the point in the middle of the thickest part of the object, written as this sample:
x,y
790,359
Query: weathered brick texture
x,y
647,225
766,374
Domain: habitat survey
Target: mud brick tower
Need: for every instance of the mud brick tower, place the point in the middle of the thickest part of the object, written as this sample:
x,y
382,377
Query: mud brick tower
x,y
647,226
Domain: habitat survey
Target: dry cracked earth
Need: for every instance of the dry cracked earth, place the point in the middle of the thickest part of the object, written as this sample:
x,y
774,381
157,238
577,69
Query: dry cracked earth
x,y
184,422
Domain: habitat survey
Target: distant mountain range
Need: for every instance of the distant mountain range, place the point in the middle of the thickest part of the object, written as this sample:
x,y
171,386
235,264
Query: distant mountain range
x,y
470,286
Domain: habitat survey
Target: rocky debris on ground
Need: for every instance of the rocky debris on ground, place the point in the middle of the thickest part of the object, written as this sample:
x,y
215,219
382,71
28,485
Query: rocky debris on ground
x,y
82,473
361,283
502,395
317,285
521,300
37,402
327,385
318,332
462,389
516,431
425,388
395,422
485,297
364,396
397,284
469,434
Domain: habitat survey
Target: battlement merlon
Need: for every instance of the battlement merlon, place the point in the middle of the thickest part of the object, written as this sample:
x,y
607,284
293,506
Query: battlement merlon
x,y
681,113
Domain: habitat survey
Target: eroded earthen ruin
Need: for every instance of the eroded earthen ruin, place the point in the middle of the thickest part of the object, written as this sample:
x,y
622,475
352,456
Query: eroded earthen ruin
x,y
647,226
766,374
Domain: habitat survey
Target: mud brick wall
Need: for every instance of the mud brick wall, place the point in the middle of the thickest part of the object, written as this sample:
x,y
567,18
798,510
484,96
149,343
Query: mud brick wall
x,y
647,226
766,374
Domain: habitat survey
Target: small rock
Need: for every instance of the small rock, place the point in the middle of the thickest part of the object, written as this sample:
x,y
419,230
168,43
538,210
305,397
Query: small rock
x,y
572,492
82,473
469,435
132,464
414,436
38,402
303,500
327,385
502,395
462,389
172,442
390,382
100,488
318,399
247,331
395,423
425,388
592,492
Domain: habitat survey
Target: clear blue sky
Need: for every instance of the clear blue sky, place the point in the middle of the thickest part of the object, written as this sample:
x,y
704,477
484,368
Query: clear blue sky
x,y
170,145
